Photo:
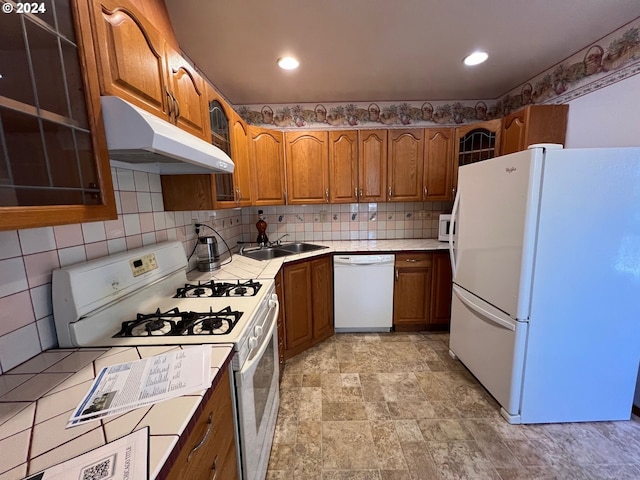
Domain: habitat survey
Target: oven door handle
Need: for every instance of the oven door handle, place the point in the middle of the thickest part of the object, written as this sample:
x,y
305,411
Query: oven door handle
x,y
249,364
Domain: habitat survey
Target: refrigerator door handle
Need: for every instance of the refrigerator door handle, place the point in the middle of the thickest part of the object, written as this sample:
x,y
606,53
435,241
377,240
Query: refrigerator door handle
x,y
481,311
452,228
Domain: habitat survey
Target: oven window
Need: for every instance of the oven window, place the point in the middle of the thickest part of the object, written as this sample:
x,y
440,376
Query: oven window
x,y
262,382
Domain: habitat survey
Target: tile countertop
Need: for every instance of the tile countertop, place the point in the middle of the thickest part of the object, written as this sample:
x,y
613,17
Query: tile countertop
x,y
37,398
243,268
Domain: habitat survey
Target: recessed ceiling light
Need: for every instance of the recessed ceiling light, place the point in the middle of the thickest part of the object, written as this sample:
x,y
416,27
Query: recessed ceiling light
x,y
476,58
288,63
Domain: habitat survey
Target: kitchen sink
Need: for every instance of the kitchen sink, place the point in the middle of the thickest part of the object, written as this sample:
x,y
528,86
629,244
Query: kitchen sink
x,y
267,253
300,247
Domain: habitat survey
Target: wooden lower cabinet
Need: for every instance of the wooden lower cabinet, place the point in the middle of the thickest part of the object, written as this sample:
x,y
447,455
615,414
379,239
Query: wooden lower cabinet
x,y
422,292
412,292
209,450
441,289
308,304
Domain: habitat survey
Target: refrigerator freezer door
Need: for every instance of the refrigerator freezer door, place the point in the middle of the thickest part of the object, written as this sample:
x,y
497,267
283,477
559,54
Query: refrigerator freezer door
x,y
496,222
492,346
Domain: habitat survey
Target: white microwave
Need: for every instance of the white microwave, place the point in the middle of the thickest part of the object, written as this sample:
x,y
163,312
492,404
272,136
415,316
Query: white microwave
x,y
444,226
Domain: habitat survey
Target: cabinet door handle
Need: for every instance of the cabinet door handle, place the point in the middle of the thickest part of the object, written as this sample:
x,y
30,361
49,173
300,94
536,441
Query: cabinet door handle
x,y
425,192
169,102
239,194
204,439
411,260
453,192
360,194
326,195
389,192
214,468
396,274
355,193
177,107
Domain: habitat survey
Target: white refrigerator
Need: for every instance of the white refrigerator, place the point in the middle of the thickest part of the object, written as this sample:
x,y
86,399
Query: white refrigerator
x,y
546,281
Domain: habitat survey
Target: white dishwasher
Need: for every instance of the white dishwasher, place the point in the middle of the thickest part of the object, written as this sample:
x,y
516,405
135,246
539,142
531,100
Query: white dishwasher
x,y
363,293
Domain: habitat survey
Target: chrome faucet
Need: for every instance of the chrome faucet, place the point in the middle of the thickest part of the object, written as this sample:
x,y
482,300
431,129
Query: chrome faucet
x,y
278,242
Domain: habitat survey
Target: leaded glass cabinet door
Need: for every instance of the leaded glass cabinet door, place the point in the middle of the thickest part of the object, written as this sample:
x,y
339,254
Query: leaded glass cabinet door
x,y
474,143
220,137
54,167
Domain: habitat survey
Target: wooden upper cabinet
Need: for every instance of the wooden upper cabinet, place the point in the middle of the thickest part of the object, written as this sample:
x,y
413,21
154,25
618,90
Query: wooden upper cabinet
x,y
307,161
130,56
155,11
267,166
438,164
474,143
189,106
136,63
240,156
54,165
405,165
534,124
343,166
372,165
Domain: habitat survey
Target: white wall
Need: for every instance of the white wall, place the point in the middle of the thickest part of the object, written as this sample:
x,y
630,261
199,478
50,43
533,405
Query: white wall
x,y
609,117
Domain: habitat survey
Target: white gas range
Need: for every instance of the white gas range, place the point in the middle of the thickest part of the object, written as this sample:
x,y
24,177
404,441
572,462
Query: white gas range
x,y
142,297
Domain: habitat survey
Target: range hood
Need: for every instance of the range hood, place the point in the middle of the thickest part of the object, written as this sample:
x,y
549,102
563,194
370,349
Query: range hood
x,y
135,136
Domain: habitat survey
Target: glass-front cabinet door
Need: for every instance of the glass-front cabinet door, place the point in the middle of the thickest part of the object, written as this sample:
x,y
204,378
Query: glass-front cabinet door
x,y
54,167
220,137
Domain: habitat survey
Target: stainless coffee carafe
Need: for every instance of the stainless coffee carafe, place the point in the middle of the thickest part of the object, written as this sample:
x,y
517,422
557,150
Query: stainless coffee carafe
x,y
207,255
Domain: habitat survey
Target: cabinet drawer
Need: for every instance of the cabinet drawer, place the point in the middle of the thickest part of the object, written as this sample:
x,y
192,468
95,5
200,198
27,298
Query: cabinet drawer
x,y
211,444
417,260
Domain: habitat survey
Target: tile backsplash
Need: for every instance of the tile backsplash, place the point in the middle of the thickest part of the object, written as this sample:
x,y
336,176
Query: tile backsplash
x,y
28,257
356,221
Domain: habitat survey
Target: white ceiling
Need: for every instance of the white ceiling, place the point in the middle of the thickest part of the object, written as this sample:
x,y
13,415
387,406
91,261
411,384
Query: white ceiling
x,y
383,50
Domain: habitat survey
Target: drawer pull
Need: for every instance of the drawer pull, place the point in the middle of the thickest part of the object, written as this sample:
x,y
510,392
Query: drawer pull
x,y
411,260
204,439
214,468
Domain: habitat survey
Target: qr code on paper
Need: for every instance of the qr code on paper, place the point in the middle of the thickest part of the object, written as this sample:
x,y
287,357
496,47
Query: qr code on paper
x,y
99,471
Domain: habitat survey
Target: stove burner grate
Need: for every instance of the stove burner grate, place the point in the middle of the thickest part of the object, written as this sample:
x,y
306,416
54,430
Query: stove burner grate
x,y
176,323
248,288
213,323
158,323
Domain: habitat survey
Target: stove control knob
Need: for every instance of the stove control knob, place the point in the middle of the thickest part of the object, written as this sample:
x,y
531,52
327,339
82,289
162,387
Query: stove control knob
x,y
253,343
273,301
258,330
115,285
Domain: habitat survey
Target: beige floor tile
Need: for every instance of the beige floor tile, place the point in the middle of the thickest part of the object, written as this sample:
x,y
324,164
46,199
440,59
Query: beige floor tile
x,y
528,473
377,411
408,431
348,446
419,462
460,460
388,448
397,407
336,411
443,430
309,431
351,475
395,475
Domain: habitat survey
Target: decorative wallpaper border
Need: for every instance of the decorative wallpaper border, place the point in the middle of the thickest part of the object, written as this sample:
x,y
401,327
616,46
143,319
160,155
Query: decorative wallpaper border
x,y
611,59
